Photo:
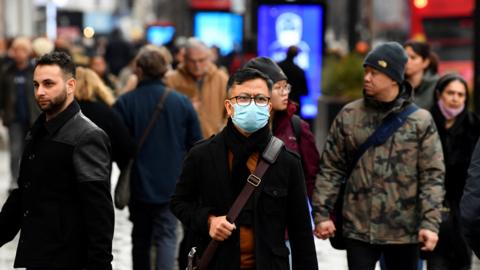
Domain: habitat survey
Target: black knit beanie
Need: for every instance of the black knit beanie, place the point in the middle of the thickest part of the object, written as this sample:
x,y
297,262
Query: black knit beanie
x,y
389,58
267,66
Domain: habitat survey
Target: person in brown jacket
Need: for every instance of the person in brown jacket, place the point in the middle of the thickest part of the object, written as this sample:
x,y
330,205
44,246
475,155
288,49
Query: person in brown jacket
x,y
205,85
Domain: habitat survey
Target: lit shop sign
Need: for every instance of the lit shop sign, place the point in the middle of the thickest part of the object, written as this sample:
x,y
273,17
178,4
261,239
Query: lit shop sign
x,y
222,29
284,25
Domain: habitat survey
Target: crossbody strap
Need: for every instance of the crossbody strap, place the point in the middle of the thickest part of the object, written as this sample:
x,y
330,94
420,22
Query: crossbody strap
x,y
390,124
269,157
153,119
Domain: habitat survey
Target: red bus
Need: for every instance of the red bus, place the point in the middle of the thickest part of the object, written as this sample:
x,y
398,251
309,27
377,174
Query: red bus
x,y
448,26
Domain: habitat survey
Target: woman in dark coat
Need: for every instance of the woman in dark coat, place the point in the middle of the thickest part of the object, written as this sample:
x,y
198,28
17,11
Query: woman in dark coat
x,y
95,100
459,130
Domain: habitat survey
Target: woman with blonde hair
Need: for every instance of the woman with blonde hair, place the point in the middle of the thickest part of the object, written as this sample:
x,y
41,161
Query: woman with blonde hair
x,y
95,100
90,87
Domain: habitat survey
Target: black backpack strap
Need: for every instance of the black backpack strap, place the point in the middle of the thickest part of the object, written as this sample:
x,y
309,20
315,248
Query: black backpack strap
x,y
297,128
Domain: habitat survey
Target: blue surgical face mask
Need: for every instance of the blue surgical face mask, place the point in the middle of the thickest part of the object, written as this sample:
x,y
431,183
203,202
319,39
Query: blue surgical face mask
x,y
250,118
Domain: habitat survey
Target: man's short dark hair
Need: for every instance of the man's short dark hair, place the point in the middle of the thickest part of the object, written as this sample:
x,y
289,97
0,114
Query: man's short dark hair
x,y
247,74
151,62
61,59
292,52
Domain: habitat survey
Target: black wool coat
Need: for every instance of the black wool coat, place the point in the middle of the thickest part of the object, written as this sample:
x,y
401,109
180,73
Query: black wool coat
x,y
280,202
63,207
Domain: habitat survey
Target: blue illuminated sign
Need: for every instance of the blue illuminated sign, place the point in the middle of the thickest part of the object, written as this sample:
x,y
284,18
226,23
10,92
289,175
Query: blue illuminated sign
x,y
159,35
284,25
223,29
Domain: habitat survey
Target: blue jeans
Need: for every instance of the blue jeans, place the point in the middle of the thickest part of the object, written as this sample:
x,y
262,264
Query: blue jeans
x,y
153,226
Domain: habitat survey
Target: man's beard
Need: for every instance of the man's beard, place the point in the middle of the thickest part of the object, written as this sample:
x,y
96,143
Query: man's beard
x,y
56,104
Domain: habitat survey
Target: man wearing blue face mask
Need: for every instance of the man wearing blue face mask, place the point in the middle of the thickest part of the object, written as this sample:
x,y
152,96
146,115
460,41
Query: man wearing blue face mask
x,y
216,170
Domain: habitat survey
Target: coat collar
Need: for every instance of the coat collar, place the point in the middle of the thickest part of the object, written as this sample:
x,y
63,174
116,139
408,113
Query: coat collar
x,y
404,98
56,123
148,82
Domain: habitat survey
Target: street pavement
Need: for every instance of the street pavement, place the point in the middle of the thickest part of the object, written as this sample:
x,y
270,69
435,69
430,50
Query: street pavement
x,y
328,258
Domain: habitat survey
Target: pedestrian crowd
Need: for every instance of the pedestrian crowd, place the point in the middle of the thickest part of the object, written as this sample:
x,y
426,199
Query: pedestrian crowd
x,y
224,156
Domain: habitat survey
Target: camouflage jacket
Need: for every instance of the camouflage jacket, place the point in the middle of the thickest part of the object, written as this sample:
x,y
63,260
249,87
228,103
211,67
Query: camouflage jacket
x,y
395,188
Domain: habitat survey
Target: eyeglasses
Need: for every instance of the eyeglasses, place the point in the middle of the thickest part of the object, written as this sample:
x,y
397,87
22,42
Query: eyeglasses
x,y
244,100
283,90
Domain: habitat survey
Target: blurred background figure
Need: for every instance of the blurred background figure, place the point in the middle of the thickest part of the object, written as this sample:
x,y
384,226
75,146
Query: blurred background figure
x,y
95,100
158,163
421,72
17,100
99,65
167,56
4,57
41,46
240,56
218,59
63,44
117,52
459,130
127,80
178,52
295,74
204,83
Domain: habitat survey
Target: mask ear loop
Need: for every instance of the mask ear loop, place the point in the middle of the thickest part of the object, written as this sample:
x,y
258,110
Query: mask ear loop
x,y
231,107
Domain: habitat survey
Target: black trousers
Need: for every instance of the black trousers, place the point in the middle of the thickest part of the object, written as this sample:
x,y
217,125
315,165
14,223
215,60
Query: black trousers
x,y
364,256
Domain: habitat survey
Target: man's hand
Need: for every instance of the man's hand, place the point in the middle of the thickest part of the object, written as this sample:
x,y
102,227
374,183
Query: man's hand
x,y
325,229
219,228
428,238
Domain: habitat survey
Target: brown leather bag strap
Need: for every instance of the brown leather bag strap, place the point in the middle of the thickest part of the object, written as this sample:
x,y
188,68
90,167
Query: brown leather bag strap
x,y
269,156
156,113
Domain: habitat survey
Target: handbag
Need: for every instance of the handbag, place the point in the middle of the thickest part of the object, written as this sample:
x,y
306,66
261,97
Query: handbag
x,y
122,189
269,156
390,124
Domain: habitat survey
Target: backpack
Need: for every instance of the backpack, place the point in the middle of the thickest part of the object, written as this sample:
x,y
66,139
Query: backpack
x,y
297,129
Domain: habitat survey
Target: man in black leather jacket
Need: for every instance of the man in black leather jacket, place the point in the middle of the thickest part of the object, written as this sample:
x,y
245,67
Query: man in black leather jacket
x,y
63,206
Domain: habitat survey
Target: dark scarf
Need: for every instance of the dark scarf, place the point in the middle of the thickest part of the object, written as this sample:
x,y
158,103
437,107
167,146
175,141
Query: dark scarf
x,y
242,148
404,94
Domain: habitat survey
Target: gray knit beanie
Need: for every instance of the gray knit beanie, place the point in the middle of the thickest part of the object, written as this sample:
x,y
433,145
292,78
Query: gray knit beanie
x,y
389,58
267,66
